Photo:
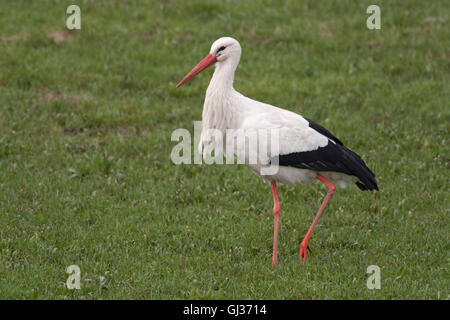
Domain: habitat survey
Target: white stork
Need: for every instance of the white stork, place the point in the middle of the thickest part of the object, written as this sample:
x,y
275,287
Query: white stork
x,y
307,151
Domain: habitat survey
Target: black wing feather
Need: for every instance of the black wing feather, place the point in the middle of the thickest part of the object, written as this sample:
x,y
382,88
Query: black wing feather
x,y
323,131
333,157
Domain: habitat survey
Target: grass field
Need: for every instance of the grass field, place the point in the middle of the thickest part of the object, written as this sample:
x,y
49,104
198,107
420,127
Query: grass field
x,y
86,118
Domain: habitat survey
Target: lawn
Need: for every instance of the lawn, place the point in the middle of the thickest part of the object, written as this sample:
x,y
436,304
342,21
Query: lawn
x,y
86,118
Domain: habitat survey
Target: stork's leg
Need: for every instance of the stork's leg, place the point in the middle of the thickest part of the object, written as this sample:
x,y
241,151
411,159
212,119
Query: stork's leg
x,y
305,243
276,220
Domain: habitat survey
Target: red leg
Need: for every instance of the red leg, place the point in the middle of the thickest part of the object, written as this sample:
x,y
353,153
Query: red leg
x,y
305,243
276,220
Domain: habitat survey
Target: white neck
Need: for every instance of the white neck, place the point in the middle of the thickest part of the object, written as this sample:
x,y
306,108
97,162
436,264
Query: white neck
x,y
218,108
223,77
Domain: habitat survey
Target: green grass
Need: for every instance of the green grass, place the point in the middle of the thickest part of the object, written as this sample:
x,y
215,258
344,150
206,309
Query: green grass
x,y
85,170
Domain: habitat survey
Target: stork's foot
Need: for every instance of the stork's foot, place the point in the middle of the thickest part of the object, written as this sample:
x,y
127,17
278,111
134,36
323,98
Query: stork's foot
x,y
304,248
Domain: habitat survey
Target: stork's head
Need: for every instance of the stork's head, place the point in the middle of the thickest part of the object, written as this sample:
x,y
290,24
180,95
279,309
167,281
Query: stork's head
x,y
223,50
226,48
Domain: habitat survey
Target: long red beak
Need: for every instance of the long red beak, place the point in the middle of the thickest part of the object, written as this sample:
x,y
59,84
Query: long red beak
x,y
205,63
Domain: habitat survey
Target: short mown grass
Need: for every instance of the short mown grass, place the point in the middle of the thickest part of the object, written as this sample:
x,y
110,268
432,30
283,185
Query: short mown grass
x,y
86,118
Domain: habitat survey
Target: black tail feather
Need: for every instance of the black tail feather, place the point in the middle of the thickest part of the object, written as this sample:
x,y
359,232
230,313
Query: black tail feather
x,y
366,177
333,157
337,157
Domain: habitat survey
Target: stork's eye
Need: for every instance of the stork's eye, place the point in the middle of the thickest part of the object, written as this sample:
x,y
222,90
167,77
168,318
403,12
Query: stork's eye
x,y
220,49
